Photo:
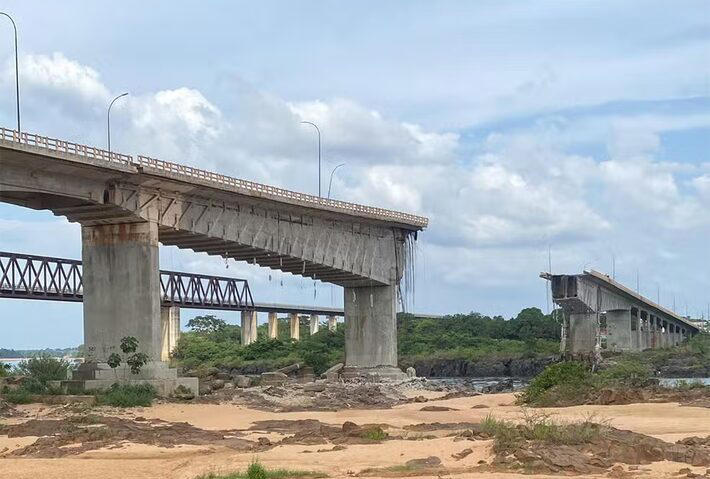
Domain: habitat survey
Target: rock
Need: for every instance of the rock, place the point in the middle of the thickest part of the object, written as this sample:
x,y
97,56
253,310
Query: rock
x,y
423,463
506,385
229,385
217,384
420,399
334,369
274,378
460,455
289,369
205,389
333,373
183,393
305,375
437,408
479,406
314,387
351,429
411,372
264,441
242,381
223,375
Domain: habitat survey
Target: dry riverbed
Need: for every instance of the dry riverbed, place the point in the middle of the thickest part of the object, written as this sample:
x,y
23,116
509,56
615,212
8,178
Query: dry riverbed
x,y
184,440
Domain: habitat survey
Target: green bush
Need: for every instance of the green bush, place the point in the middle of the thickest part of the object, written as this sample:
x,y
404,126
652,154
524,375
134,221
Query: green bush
x,y
17,396
4,370
127,395
700,344
257,471
560,383
44,368
629,372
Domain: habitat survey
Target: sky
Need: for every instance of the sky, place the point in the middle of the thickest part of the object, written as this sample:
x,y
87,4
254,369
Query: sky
x,y
528,132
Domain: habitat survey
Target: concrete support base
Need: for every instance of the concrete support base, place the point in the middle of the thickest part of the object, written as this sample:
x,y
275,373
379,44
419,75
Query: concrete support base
x,y
170,326
249,327
92,376
370,328
379,374
273,326
295,326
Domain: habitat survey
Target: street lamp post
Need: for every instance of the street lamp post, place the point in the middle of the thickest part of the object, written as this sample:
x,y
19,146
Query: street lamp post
x,y
330,183
17,72
108,122
318,130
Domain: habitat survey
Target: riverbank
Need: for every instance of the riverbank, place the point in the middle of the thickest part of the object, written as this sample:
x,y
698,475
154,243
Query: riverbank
x,y
184,441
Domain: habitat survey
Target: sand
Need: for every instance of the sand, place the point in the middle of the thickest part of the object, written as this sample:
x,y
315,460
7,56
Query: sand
x,y
667,421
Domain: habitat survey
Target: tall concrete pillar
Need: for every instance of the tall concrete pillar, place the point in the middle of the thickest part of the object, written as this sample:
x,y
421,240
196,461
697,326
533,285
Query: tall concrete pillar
x,y
121,289
314,324
582,333
619,330
371,331
248,327
332,323
295,326
170,327
273,325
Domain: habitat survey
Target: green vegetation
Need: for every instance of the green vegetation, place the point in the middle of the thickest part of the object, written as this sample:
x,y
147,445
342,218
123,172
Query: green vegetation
x,y
569,383
132,357
38,371
127,395
257,471
374,434
539,428
17,396
4,370
212,342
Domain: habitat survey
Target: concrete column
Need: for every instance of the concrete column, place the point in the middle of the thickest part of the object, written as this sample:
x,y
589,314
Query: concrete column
x,y
370,327
314,324
273,326
581,334
170,326
248,327
295,326
121,288
332,323
619,330
254,326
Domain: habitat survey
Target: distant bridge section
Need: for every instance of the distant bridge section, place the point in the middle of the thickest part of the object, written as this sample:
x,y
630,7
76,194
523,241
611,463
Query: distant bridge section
x,y
603,314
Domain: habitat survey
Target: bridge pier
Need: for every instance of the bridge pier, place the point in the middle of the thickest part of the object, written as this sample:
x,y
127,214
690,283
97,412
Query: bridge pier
x,y
170,327
273,325
332,323
315,325
295,326
121,288
249,327
371,332
121,297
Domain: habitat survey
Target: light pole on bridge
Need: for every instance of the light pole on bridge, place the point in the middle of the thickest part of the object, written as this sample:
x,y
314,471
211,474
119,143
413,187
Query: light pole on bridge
x,y
17,72
330,183
108,122
318,130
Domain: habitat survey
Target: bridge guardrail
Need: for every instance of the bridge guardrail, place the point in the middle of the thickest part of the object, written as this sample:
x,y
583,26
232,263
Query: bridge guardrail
x,y
263,190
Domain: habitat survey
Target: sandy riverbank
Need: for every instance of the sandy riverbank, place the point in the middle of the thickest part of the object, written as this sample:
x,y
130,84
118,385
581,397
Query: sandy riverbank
x,y
667,421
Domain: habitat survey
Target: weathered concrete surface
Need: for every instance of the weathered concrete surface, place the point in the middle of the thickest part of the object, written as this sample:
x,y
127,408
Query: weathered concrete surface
x,y
314,324
332,323
121,288
370,327
249,327
170,326
618,330
273,325
295,326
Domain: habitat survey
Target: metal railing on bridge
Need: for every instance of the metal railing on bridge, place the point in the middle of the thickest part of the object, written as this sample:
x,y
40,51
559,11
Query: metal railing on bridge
x,y
26,276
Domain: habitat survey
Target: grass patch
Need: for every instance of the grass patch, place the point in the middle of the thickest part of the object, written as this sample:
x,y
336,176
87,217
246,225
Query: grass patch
x,y
375,434
257,471
539,428
562,383
17,396
127,395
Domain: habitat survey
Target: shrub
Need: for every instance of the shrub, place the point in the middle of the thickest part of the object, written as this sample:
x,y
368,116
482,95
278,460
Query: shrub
x,y
374,434
700,344
44,368
565,382
17,396
257,471
4,370
628,373
127,395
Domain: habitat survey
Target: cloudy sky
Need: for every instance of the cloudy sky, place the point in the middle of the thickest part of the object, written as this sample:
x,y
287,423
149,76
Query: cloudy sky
x,y
582,127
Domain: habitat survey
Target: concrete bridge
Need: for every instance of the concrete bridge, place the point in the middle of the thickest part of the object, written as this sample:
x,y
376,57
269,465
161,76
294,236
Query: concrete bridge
x,y
127,205
602,314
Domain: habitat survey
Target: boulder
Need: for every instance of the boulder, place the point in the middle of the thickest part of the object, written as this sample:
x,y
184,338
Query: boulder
x,y
333,373
314,387
274,378
423,463
205,389
217,384
242,381
411,372
351,429
228,385
289,369
223,375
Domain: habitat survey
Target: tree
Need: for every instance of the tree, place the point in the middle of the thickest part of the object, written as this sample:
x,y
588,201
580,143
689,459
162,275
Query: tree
x,y
133,358
207,324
